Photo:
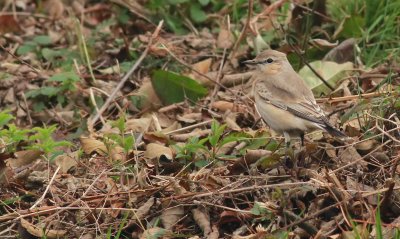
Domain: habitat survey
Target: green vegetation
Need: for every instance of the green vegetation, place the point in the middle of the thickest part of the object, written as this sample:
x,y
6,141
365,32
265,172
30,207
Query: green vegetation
x,y
60,64
37,138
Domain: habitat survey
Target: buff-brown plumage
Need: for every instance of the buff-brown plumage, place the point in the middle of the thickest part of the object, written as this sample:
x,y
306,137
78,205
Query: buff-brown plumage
x,y
283,99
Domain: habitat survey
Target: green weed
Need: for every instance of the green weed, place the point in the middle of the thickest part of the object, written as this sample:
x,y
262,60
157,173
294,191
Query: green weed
x,y
373,23
62,84
42,140
126,141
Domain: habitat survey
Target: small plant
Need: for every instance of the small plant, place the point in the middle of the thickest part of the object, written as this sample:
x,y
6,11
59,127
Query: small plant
x,y
42,140
120,228
65,82
180,14
193,150
10,135
125,141
37,138
35,45
374,23
197,149
40,46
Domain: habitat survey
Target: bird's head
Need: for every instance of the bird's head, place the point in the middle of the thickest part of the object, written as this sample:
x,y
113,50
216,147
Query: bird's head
x,y
269,62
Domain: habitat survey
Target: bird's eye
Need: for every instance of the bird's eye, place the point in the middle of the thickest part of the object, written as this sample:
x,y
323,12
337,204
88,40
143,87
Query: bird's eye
x,y
269,60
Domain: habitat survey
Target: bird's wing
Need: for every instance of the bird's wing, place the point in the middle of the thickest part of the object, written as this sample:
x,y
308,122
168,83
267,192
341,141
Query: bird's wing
x,y
302,106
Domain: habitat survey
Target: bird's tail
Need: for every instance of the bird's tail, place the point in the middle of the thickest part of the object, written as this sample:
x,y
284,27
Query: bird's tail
x,y
334,132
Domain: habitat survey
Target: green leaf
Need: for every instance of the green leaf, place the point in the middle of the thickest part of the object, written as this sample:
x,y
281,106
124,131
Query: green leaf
x,y
201,163
39,106
217,131
5,117
237,136
259,140
204,2
352,27
175,2
49,90
33,93
172,88
119,124
272,145
268,162
128,143
50,54
42,40
26,48
175,24
258,209
197,14
64,76
331,71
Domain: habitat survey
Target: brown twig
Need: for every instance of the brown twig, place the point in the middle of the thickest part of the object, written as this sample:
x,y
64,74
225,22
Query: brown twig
x,y
155,34
46,190
360,159
244,189
354,97
19,59
308,217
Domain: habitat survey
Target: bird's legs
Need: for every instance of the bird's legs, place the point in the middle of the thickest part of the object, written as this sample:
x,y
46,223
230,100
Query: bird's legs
x,y
301,150
287,143
302,139
292,159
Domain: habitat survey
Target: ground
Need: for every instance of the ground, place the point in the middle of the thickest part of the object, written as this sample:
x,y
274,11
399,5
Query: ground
x,y
135,119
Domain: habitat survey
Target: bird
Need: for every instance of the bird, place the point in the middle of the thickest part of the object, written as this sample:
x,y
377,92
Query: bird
x,y
283,99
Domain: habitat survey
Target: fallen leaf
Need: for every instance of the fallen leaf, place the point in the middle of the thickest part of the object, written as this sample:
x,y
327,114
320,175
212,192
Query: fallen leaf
x,y
143,210
66,161
359,232
171,215
202,220
226,105
140,125
90,145
55,8
366,146
41,231
342,53
225,38
155,232
202,66
112,188
146,96
8,24
24,158
155,151
332,72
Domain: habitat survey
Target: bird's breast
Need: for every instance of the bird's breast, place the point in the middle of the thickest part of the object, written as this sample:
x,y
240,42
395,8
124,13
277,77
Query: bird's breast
x,y
281,120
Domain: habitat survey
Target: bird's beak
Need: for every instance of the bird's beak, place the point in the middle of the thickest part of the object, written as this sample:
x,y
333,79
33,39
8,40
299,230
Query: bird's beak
x,y
250,62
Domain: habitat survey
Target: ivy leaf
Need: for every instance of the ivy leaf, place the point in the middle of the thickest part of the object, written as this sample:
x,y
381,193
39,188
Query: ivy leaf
x,y
204,2
173,88
42,40
197,14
